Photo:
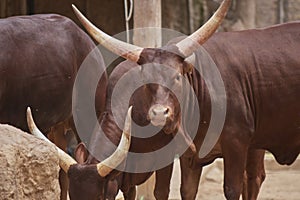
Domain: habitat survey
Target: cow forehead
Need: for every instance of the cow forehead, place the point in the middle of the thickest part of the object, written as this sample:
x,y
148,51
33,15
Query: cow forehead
x,y
163,57
167,69
82,172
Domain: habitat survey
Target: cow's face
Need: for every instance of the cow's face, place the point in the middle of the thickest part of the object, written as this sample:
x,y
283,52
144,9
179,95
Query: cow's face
x,y
166,70
85,181
163,110
90,179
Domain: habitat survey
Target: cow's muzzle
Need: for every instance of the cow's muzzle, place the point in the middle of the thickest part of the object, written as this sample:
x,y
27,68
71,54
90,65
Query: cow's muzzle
x,y
158,114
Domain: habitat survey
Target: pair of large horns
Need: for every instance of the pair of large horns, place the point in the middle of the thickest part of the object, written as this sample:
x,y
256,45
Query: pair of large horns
x,y
132,52
104,167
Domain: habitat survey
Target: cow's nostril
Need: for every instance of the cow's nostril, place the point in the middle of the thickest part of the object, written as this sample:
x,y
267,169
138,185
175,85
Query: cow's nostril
x,y
166,111
153,112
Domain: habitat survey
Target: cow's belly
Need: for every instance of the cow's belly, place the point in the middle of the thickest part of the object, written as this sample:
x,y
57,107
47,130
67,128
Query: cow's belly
x,y
50,105
278,127
283,144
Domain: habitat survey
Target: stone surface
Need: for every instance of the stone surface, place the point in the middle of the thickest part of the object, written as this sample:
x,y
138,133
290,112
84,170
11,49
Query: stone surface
x,y
28,166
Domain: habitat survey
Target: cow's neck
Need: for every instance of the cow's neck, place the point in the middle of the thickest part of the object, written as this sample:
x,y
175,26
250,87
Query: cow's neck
x,y
104,141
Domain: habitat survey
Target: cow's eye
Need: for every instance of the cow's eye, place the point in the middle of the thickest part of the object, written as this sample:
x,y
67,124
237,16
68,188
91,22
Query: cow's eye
x,y
178,77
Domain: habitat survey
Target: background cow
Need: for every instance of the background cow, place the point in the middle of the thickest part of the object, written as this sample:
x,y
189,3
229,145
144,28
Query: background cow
x,y
39,59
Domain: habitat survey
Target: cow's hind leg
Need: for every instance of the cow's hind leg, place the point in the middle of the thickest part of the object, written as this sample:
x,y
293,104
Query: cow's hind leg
x,y
162,183
254,174
189,180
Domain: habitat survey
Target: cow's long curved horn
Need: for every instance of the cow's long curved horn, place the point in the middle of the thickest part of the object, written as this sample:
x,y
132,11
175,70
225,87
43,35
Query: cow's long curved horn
x,y
65,161
123,49
113,161
188,45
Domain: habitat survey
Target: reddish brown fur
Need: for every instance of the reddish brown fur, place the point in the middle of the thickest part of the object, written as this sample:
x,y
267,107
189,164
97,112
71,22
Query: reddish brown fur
x,y
260,69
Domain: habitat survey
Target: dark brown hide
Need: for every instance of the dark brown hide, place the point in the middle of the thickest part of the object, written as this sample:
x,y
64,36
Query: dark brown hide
x,y
40,57
85,183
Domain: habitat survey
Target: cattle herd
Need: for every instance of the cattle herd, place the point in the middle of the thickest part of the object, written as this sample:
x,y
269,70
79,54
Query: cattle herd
x,y
260,72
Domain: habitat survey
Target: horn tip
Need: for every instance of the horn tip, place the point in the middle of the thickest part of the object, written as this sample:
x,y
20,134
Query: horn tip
x,y
29,118
130,110
127,126
129,115
75,9
73,6
28,110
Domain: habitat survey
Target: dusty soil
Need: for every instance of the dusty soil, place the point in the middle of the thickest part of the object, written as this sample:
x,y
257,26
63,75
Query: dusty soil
x,y
282,182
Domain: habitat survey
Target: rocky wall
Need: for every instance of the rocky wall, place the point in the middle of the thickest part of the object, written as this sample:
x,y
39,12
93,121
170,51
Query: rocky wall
x,y
28,166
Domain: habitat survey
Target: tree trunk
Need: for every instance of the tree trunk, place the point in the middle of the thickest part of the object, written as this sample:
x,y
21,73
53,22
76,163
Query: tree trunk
x,y
147,14
246,10
175,15
242,14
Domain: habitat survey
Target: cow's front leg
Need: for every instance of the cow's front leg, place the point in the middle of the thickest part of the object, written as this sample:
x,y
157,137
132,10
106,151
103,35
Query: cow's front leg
x,y
235,157
254,174
64,184
112,189
162,182
131,194
57,136
189,179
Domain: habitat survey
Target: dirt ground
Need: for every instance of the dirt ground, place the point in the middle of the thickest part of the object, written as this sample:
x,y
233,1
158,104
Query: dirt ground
x,y
282,182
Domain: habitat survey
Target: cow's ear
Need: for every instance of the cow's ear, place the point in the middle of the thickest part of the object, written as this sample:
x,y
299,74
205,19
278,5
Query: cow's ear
x,y
187,68
189,64
81,153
